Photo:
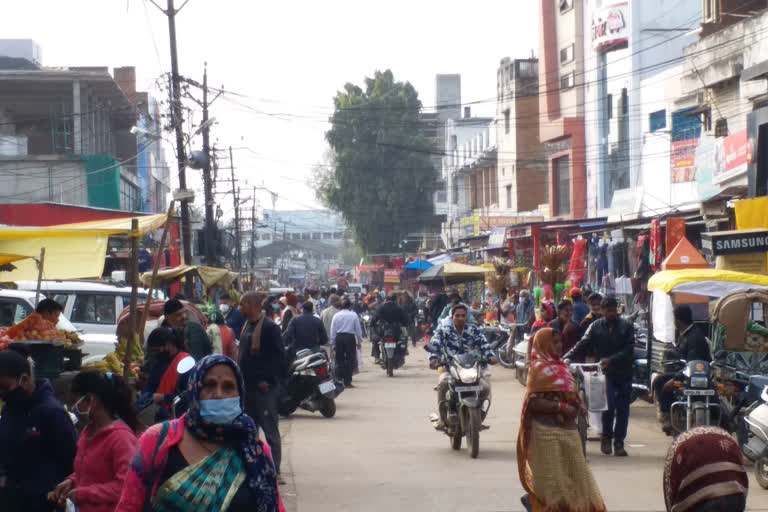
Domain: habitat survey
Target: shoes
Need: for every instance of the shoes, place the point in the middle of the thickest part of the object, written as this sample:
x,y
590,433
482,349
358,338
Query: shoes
x,y
377,361
280,479
440,425
526,501
618,450
350,385
605,445
666,423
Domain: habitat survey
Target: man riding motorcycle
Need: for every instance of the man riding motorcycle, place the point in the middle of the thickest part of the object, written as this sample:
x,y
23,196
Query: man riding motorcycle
x,y
458,338
388,313
691,346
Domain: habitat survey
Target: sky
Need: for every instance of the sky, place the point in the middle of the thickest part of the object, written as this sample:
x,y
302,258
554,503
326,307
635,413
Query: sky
x,y
284,62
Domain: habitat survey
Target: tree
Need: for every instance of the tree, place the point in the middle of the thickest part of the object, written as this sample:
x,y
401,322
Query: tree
x,y
378,173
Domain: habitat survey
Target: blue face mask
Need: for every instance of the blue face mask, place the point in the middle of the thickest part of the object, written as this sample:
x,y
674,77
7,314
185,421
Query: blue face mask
x,y
220,411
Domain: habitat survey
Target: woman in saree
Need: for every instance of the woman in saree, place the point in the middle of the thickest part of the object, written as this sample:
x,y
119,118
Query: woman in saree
x,y
210,459
550,460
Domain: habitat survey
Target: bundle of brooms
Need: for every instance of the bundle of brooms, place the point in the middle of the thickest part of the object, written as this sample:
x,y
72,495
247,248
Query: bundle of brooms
x,y
500,277
554,264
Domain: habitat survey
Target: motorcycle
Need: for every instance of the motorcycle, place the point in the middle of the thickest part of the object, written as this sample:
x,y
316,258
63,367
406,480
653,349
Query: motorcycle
x,y
499,338
310,385
640,369
756,447
695,396
463,409
366,318
394,345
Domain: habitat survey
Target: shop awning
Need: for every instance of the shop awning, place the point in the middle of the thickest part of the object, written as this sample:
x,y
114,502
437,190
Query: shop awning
x,y
452,273
210,276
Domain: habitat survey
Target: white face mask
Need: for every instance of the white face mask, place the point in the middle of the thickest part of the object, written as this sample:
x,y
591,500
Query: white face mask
x,y
224,308
78,411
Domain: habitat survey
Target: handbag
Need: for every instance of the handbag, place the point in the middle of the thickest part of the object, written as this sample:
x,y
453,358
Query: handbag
x,y
148,496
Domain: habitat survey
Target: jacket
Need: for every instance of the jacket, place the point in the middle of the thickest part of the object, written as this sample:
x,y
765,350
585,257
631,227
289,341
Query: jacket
x,y
144,471
101,464
618,346
580,311
389,312
235,320
198,343
268,365
305,331
693,346
37,447
327,318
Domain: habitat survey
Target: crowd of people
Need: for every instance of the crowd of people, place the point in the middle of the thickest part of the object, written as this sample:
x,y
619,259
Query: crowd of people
x,y
208,439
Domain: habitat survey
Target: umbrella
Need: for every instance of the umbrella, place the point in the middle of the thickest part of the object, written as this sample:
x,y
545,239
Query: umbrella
x,y
419,264
453,273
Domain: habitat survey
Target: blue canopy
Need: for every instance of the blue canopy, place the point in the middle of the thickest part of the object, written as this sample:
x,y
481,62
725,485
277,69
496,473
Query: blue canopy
x,y
418,264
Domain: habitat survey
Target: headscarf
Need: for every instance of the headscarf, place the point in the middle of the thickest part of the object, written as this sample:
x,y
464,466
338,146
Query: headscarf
x,y
292,299
548,373
704,464
261,474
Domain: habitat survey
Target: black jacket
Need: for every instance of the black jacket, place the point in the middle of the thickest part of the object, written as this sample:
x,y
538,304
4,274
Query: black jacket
x,y
693,346
618,346
37,449
268,364
305,331
389,312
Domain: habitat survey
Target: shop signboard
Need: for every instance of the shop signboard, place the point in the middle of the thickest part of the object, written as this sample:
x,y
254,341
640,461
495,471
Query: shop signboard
x,y
683,160
723,243
391,276
736,156
610,26
720,159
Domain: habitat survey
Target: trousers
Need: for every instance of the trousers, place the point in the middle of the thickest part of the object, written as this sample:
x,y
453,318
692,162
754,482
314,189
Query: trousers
x,y
664,398
262,407
619,396
346,355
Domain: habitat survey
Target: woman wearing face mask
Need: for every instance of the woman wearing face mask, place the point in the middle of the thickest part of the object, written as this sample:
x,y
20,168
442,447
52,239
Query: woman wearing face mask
x,y
210,459
106,445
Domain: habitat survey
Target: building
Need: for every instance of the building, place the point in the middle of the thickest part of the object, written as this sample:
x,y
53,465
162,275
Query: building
x,y
521,181
561,105
66,135
633,115
447,106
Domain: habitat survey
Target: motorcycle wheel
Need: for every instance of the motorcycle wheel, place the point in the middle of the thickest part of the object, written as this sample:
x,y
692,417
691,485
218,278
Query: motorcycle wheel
x,y
390,368
699,417
501,355
286,408
328,409
761,473
473,432
455,440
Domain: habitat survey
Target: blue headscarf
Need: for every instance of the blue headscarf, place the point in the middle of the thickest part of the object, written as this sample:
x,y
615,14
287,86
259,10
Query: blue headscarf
x,y
261,474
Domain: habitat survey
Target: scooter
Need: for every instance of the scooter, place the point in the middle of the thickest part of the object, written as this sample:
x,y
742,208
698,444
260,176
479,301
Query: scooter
x,y
394,345
310,385
756,448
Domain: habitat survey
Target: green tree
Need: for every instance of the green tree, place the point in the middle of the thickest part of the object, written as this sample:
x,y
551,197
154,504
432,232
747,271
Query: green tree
x,y
378,173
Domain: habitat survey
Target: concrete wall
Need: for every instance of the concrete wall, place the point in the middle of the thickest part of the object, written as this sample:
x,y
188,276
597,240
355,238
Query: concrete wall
x,y
448,96
39,179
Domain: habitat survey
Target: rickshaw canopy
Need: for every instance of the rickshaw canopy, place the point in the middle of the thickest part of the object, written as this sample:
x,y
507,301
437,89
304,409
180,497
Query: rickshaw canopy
x,y
705,281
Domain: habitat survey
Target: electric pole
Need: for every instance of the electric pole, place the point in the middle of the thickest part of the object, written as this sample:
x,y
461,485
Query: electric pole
x,y
253,230
210,249
236,195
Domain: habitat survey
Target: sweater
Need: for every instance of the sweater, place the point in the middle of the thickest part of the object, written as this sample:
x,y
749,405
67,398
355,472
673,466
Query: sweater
x,y
101,464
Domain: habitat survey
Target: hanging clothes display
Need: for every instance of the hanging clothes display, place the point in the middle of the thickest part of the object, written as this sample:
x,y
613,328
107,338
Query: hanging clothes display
x,y
657,255
675,233
578,266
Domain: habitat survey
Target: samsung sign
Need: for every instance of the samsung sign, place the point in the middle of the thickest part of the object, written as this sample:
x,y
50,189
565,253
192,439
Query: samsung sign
x,y
734,242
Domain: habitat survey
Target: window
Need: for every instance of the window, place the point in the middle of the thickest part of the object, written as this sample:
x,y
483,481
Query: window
x,y
567,81
337,235
455,191
706,120
609,106
562,178
305,236
266,236
711,11
565,5
657,120
506,121
327,236
442,196
509,197
94,309
721,128
159,197
566,54
624,107
295,236
316,236
12,312
130,200
503,171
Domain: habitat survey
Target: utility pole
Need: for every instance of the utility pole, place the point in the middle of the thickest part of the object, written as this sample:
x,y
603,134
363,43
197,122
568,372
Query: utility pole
x,y
210,249
186,235
236,195
253,231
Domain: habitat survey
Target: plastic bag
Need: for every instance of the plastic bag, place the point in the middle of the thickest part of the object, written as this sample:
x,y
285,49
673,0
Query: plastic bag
x,y
359,357
595,391
71,507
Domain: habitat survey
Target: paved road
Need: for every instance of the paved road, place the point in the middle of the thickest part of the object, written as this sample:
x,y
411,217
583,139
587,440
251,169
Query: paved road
x,y
380,453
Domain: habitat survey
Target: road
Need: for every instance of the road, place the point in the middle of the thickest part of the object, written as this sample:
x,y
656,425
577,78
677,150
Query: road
x,y
380,453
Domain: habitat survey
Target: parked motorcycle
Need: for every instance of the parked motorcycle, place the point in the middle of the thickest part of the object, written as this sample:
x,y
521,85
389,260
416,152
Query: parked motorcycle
x,y
695,396
640,369
498,337
394,345
463,409
310,385
756,448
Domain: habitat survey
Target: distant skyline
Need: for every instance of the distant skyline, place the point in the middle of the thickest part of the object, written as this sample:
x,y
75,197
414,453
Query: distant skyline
x,y
285,61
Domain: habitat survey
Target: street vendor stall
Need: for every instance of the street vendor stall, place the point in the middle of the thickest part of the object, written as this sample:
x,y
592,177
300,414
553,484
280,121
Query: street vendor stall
x,y
453,273
209,276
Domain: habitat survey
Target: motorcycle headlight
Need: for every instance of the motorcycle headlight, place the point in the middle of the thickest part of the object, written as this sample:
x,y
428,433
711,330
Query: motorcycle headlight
x,y
699,382
468,375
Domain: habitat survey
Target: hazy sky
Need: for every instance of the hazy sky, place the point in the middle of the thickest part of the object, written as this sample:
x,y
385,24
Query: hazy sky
x,y
287,59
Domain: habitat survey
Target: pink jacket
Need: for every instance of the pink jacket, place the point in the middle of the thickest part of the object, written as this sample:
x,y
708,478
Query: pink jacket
x,y
100,466
141,474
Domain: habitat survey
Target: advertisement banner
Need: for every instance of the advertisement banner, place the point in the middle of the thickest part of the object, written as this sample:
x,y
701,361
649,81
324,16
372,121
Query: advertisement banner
x,y
610,26
683,160
392,276
737,154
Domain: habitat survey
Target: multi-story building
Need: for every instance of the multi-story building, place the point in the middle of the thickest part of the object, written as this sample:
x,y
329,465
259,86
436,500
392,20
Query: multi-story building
x,y
447,106
561,105
521,181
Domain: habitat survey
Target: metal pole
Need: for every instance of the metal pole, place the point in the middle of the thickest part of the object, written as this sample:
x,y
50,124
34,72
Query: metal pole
x,y
253,231
133,340
210,249
186,234
40,265
239,249
155,269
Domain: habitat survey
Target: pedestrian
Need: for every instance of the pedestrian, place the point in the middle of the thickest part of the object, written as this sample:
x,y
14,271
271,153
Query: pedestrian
x,y
704,472
525,314
221,336
580,308
346,337
290,311
210,459
262,360
334,306
305,332
164,382
565,326
550,459
232,315
594,302
611,340
191,334
37,438
104,402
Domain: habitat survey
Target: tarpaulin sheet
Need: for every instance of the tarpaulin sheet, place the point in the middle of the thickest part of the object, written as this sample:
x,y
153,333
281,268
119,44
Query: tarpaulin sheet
x,y
704,281
752,213
92,228
209,275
